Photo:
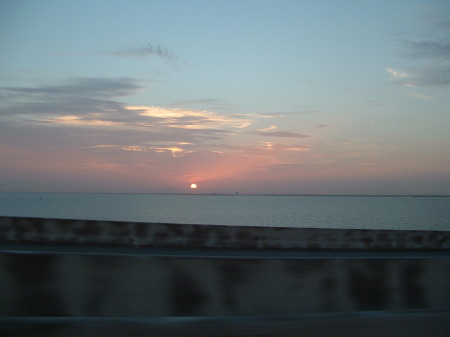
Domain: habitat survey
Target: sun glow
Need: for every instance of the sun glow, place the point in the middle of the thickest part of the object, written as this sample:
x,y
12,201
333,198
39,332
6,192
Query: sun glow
x,y
193,186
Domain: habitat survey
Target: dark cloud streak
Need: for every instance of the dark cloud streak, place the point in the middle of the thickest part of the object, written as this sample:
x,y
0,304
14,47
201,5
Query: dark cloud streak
x,y
435,75
143,50
432,57
428,49
80,96
93,87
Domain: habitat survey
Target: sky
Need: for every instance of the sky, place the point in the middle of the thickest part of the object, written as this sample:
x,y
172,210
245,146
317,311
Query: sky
x,y
271,97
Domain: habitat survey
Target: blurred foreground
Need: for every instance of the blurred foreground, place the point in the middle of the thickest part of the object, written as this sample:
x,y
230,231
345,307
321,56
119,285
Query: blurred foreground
x,y
98,278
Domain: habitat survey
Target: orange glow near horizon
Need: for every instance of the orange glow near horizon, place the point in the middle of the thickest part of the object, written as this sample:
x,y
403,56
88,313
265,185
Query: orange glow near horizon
x,y
193,186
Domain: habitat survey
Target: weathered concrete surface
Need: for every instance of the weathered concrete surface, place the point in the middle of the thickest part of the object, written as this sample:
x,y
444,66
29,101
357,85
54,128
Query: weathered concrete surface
x,y
214,236
79,285
71,269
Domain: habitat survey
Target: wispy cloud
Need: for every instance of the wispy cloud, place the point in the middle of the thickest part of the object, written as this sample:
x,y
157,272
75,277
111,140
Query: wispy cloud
x,y
193,119
281,133
269,128
176,151
96,87
400,77
396,74
437,75
436,49
435,52
433,76
205,103
280,147
421,96
94,102
431,56
144,50
75,96
93,106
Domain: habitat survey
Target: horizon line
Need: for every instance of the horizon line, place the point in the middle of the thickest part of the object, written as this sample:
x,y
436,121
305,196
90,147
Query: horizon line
x,y
242,194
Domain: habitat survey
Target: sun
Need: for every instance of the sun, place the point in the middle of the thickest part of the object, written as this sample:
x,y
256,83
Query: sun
x,y
193,186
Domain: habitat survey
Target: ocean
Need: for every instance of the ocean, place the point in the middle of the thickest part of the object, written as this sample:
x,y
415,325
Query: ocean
x,y
362,212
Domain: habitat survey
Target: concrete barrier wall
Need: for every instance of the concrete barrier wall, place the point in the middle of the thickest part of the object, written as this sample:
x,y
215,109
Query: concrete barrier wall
x,y
143,286
213,236
68,268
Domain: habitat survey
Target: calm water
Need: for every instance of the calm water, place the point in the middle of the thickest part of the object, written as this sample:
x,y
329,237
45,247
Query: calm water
x,y
424,213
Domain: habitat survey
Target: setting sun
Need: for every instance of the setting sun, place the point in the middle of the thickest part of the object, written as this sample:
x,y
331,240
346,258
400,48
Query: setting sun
x,y
193,186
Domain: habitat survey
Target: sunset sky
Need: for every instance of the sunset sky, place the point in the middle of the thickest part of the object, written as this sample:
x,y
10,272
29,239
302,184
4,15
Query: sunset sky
x,y
284,97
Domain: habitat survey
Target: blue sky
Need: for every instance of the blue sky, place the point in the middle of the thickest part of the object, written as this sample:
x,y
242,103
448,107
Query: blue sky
x,y
323,97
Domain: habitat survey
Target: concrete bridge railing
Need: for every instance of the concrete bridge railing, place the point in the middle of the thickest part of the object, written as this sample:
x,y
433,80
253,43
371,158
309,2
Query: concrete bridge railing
x,y
74,274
